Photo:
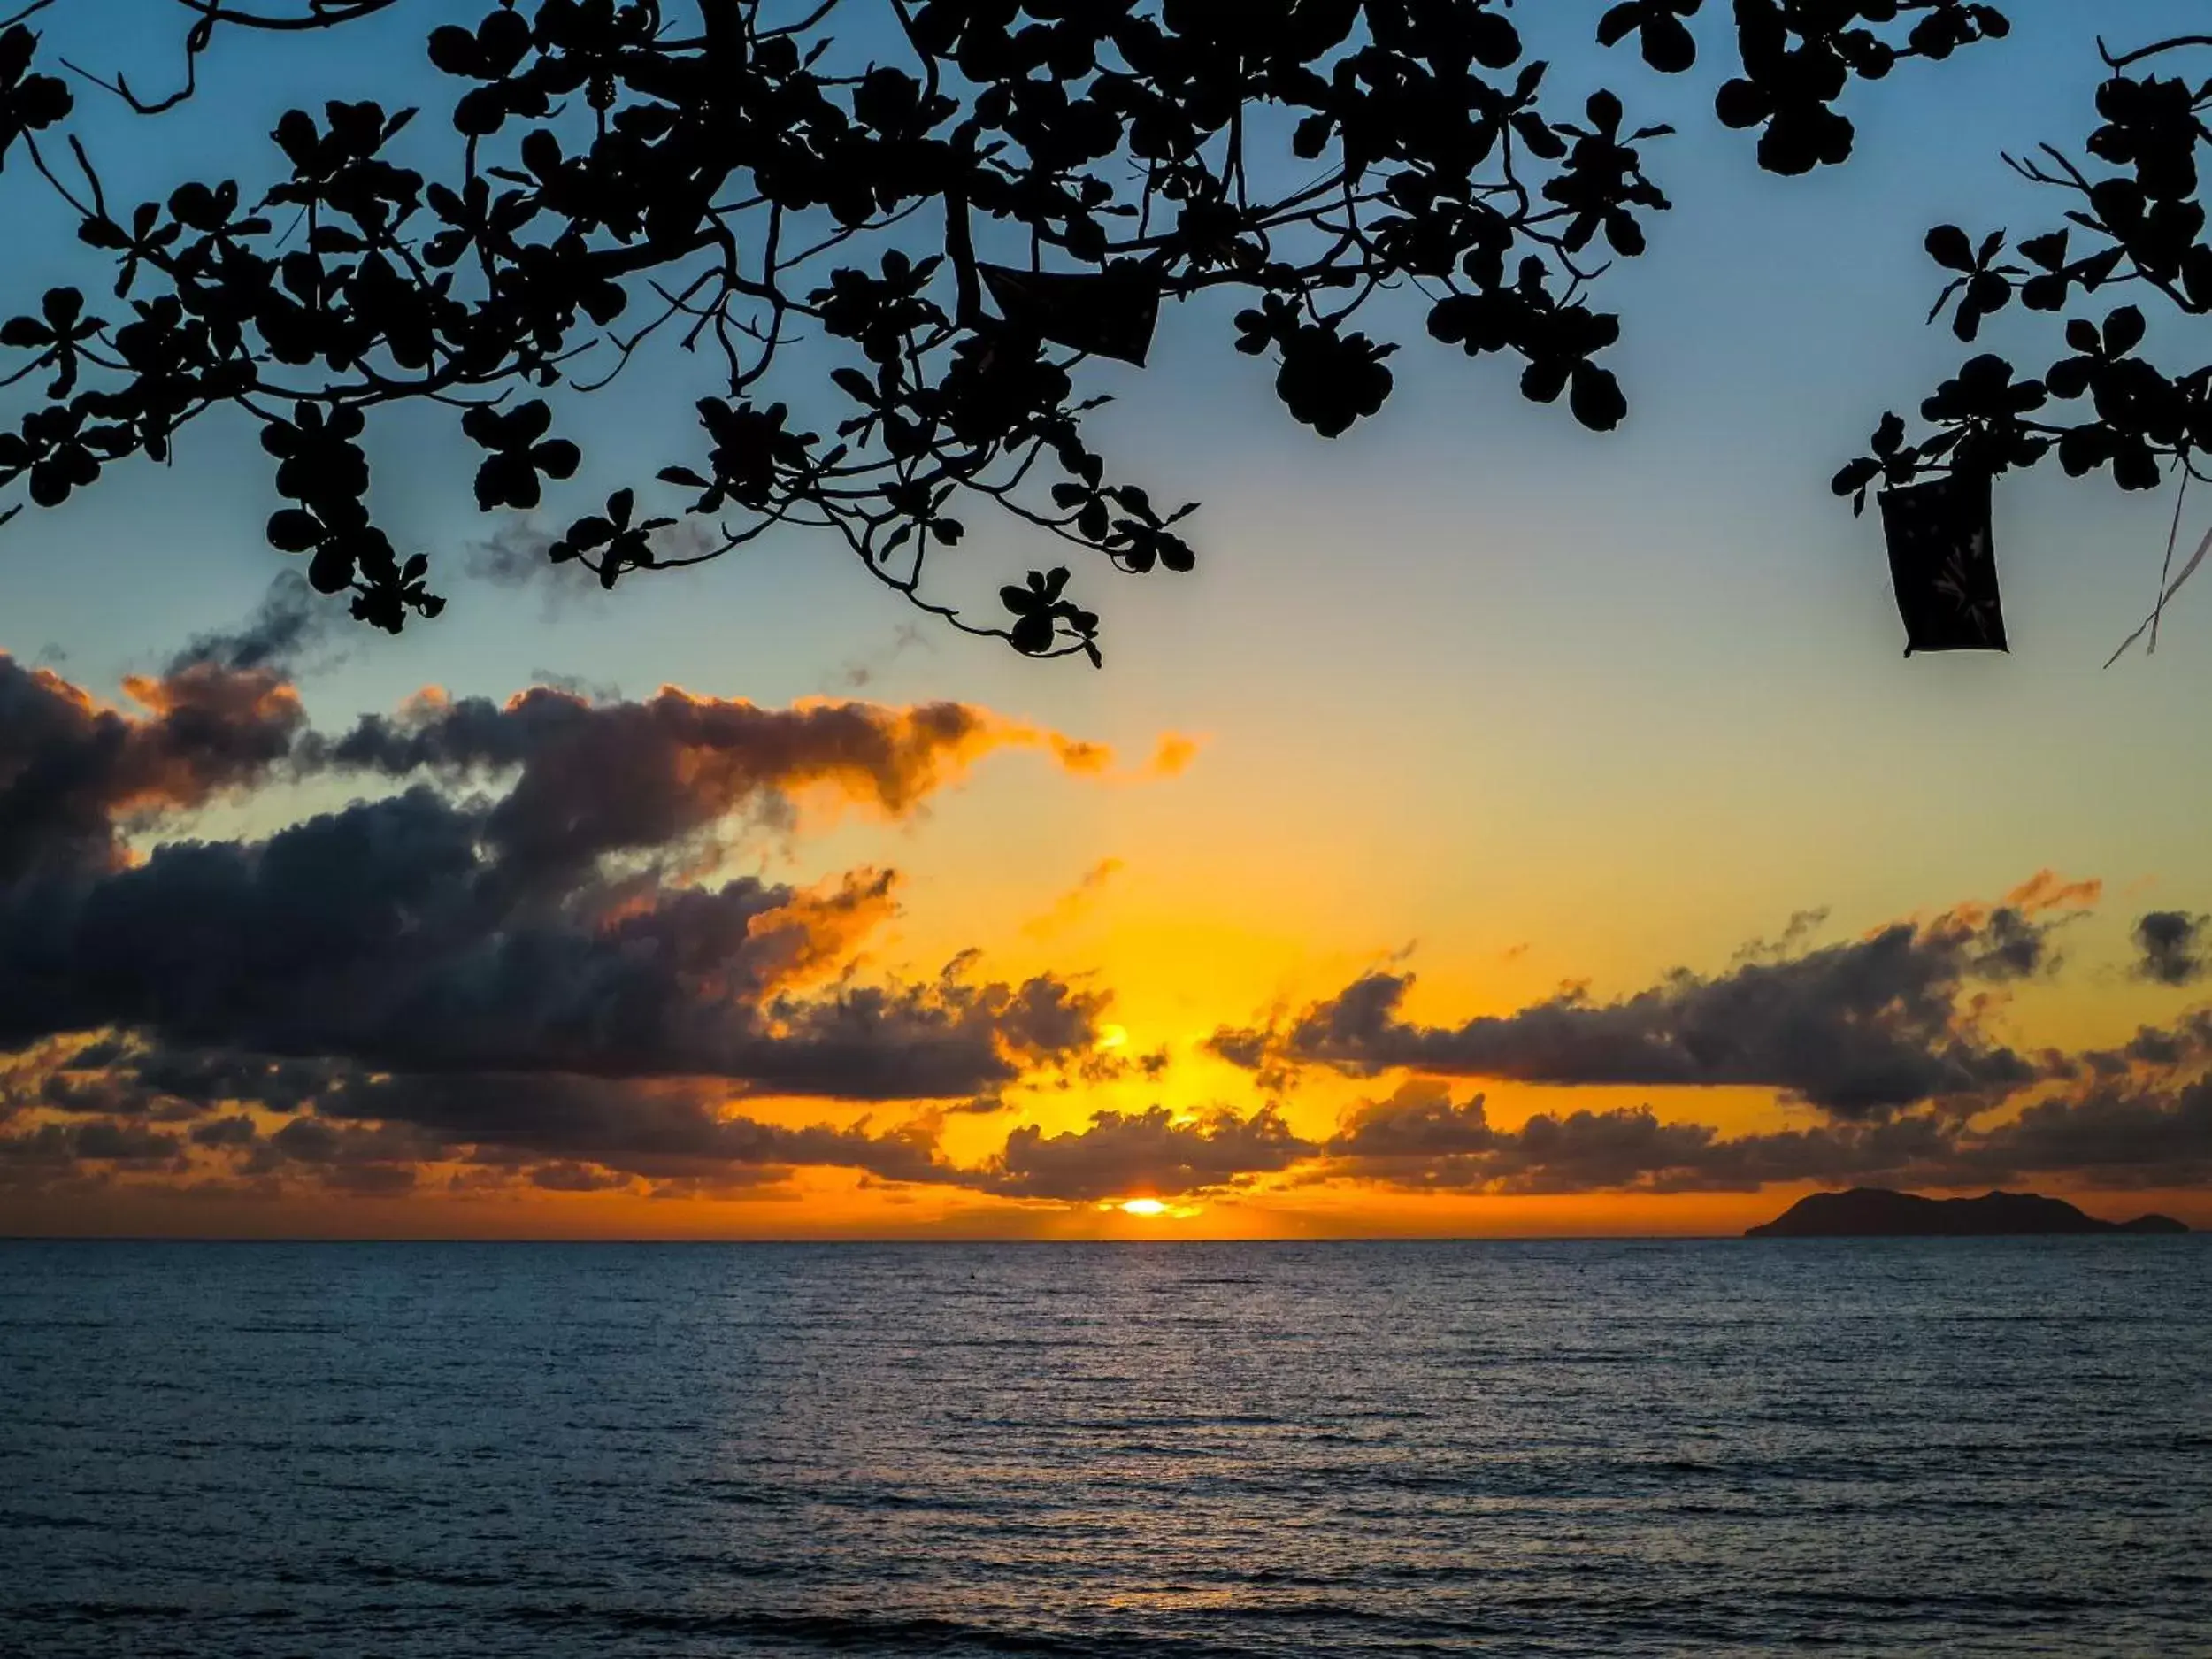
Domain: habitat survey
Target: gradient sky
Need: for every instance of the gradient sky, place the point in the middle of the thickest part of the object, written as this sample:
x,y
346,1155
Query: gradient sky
x,y
1470,696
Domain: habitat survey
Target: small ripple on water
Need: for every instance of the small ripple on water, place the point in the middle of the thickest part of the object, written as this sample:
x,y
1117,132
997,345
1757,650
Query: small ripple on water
x,y
1262,1451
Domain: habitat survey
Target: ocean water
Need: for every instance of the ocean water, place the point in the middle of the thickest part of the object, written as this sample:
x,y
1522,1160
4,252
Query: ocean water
x,y
1953,1446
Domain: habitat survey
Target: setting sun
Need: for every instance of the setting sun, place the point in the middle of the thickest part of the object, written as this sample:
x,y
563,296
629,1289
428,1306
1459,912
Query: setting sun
x,y
1143,1207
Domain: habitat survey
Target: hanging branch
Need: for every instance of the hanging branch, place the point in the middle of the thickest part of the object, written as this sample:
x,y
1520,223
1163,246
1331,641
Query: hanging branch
x,y
701,167
2133,226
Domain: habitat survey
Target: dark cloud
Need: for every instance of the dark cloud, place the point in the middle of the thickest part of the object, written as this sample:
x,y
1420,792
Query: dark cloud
x,y
546,925
1420,1139
1859,1029
371,1162
515,557
53,1150
2012,946
510,962
133,1143
590,780
290,620
43,1152
200,1081
390,934
2161,1051
116,1079
1150,1152
2169,946
577,686
659,1130
1246,1046
363,1132
1419,1122
74,776
2107,1136
2152,1129
575,1178
224,1133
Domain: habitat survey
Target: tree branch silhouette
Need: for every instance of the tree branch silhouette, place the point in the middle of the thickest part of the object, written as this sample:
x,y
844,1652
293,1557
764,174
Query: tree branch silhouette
x,y
938,244
2134,226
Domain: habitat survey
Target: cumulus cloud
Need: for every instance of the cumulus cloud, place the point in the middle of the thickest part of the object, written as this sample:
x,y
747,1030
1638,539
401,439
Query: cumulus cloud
x,y
1420,1139
2140,1116
2144,1135
51,1152
592,778
1154,1152
354,1131
392,933
513,957
2170,947
2136,1117
661,1131
75,776
1859,1029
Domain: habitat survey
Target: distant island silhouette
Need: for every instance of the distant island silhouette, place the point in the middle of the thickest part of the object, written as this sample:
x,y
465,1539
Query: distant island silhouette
x,y
1876,1212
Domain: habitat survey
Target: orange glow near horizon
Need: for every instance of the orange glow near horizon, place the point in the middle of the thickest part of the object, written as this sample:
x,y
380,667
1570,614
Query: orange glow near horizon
x,y
1146,1022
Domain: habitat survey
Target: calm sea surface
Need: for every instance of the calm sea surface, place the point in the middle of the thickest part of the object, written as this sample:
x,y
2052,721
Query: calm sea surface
x,y
1950,1447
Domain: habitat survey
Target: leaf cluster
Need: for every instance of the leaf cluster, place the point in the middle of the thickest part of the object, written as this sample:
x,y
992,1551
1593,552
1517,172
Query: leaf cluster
x,y
2135,230
921,254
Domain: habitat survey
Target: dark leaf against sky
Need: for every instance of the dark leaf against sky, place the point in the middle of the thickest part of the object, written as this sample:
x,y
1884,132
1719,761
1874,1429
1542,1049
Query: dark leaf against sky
x,y
718,177
2132,226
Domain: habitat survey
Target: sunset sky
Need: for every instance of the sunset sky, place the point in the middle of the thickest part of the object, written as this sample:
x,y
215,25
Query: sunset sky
x,y
1507,830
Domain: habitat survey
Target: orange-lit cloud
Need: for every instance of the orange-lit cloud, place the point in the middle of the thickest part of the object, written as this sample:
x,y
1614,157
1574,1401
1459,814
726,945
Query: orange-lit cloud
x,y
2048,890
1173,755
595,778
73,775
1155,1154
449,970
1072,906
813,935
2139,1117
1859,1029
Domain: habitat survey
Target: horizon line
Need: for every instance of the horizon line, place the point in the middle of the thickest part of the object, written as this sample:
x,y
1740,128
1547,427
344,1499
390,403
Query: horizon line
x,y
790,1240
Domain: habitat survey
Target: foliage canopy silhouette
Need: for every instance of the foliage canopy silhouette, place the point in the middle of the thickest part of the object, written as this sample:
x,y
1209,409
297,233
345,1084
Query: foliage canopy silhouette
x,y
716,173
